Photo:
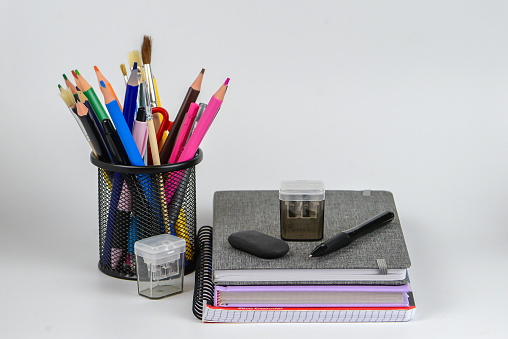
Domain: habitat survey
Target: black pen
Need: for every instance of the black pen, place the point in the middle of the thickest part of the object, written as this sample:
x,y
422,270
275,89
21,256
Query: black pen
x,y
345,238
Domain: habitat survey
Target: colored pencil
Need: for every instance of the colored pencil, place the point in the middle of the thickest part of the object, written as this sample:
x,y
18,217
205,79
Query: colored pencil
x,y
131,96
101,77
204,123
184,133
96,139
92,96
190,97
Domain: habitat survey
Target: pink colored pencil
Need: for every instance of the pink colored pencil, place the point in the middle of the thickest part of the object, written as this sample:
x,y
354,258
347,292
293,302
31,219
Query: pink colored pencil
x,y
183,134
204,123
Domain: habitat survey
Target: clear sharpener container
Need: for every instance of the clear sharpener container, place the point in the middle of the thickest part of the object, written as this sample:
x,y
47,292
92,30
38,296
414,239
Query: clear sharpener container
x,y
160,265
302,210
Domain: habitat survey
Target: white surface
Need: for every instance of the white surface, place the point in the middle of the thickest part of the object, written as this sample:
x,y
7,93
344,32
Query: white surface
x,y
395,95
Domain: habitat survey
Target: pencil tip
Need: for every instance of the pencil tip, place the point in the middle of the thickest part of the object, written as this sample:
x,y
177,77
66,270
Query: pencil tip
x,y
227,82
65,76
77,72
74,74
96,69
310,255
59,86
202,71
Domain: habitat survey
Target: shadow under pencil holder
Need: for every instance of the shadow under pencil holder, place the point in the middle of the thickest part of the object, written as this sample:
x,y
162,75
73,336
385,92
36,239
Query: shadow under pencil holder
x,y
140,202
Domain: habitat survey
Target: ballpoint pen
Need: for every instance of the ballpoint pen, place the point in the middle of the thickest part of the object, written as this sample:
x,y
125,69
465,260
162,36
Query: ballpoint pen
x,y
346,237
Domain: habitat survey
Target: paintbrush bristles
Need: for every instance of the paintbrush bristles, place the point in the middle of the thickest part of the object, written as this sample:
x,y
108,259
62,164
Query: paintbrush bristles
x,y
134,56
146,50
124,69
67,97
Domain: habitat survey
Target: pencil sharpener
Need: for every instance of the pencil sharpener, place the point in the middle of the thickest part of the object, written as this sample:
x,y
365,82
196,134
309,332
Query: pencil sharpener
x,y
302,210
160,265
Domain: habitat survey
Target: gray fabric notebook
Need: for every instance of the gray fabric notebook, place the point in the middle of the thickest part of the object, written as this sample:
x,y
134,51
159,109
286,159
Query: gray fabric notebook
x,y
355,264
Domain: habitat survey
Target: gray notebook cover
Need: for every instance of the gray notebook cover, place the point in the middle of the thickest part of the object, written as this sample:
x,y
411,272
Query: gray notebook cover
x,y
259,210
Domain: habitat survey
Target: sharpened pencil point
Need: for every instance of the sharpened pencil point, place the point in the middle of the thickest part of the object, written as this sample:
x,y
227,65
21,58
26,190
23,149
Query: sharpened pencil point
x,y
59,86
77,72
96,69
65,77
202,71
227,82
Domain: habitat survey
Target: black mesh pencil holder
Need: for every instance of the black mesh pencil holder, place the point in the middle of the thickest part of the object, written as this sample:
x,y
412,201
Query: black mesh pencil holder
x,y
140,202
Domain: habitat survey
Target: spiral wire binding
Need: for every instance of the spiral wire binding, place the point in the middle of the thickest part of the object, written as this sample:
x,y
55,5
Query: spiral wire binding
x,y
204,288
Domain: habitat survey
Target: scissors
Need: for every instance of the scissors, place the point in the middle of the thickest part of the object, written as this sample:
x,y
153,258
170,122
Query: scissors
x,y
165,126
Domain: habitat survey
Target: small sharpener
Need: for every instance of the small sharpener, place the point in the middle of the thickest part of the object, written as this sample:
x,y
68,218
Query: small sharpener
x,y
302,210
160,265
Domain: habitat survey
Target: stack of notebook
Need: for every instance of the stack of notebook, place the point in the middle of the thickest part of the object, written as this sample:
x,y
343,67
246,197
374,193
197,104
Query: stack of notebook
x,y
363,282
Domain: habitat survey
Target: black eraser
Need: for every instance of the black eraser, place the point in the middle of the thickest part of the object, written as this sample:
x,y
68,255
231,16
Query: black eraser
x,y
259,244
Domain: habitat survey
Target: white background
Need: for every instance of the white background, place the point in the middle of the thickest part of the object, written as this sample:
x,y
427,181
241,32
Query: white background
x,y
403,96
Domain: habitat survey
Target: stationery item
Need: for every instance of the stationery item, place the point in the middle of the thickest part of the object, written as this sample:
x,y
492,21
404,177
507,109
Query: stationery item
x,y
134,57
163,128
110,256
302,210
346,237
202,107
75,76
140,130
165,125
131,96
159,265
69,85
204,298
114,143
259,244
124,72
380,258
204,123
92,97
313,296
68,99
97,123
204,289
95,138
157,92
152,137
121,127
190,97
100,78
145,218
146,56
184,133
216,314
122,220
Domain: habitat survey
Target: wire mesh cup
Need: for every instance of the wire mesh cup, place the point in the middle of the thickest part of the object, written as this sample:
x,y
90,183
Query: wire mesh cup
x,y
140,202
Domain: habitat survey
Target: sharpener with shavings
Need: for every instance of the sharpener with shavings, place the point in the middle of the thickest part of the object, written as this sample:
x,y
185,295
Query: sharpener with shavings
x,y
302,210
